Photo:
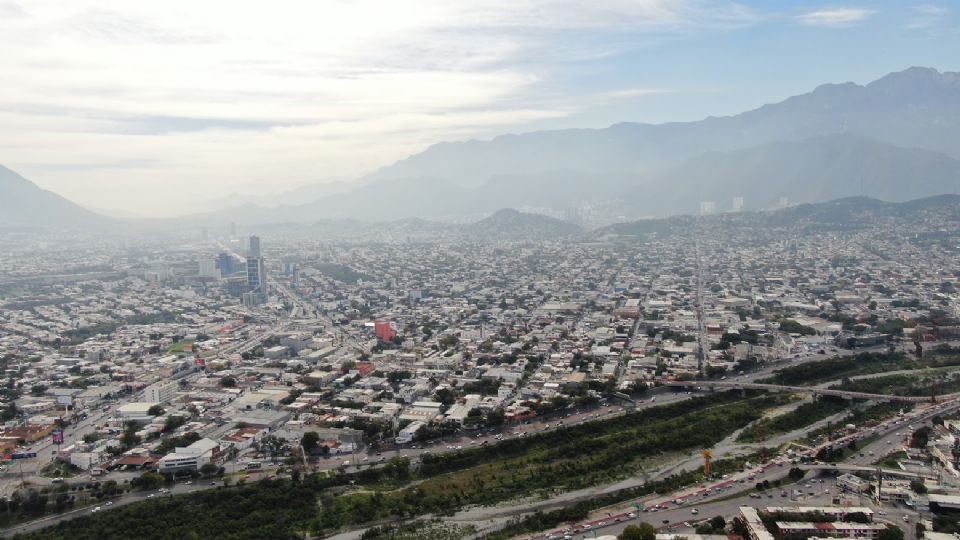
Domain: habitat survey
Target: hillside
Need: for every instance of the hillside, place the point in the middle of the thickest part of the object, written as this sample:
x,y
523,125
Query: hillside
x,y
23,204
808,170
510,223
844,213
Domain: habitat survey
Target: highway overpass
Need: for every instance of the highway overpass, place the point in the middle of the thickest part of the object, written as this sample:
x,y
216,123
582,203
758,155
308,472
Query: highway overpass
x,y
813,390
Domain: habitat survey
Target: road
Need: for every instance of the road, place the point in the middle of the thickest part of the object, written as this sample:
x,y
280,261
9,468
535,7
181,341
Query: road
x,y
889,437
128,498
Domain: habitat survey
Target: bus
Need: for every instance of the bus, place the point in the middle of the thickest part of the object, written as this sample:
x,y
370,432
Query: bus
x,y
254,465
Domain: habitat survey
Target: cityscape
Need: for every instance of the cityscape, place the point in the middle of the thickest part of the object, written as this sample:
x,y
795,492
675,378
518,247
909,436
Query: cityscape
x,y
479,270
230,358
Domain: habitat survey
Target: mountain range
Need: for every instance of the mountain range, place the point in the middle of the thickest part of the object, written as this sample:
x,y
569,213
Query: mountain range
x,y
23,204
896,138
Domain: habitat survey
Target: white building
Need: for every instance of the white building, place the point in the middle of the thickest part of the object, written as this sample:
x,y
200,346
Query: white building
x,y
160,392
189,458
406,434
208,268
136,411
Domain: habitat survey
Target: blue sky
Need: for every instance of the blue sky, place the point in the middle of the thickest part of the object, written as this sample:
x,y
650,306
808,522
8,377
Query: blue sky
x,y
143,106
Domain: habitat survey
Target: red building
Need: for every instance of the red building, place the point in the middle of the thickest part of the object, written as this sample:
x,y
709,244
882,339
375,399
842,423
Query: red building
x,y
384,330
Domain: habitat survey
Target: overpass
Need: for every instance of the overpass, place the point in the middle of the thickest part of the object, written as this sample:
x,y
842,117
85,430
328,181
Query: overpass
x,y
864,469
815,391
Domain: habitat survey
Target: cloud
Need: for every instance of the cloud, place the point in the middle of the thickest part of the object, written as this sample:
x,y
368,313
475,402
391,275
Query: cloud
x,y
190,98
836,17
931,9
928,16
11,9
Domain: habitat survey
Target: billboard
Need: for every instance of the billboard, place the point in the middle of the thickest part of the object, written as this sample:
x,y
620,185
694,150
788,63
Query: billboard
x,y
58,436
66,401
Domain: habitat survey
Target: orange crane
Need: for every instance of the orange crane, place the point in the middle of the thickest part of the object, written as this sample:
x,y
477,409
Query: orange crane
x,y
707,466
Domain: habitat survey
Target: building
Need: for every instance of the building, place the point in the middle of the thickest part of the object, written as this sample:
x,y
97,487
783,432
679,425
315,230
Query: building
x,y
160,392
207,268
755,528
256,276
136,411
407,434
738,204
225,264
276,352
707,208
839,529
853,483
384,330
189,458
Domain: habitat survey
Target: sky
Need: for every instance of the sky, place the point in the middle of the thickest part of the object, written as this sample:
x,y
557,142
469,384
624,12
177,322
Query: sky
x,y
163,108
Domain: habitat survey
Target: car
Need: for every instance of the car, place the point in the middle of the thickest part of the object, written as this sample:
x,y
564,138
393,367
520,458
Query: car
x,y
109,503
152,495
694,511
97,509
213,483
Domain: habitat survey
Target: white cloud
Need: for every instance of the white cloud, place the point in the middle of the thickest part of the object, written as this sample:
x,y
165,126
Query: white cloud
x,y
835,17
136,104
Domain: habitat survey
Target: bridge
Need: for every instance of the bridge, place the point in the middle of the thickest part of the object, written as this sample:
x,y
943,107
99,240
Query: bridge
x,y
864,468
813,390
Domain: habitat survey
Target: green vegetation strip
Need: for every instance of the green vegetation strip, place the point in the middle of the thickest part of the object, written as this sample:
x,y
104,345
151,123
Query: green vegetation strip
x,y
802,416
548,462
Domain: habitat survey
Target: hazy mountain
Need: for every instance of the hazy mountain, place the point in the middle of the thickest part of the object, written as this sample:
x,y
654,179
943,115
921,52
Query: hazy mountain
x,y
808,170
22,203
894,138
912,108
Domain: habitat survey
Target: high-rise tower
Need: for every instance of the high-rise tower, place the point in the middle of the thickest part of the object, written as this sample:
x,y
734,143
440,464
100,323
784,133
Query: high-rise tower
x,y
256,275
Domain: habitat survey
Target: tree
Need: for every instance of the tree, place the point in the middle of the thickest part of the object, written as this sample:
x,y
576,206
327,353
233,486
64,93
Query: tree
x,y
228,382
208,469
857,517
891,533
643,531
918,487
718,523
147,481
130,438
155,410
310,441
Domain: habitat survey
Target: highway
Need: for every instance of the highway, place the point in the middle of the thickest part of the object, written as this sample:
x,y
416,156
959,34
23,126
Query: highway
x,y
815,390
714,498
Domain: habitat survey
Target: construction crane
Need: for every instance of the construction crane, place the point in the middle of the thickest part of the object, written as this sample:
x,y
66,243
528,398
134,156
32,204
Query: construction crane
x,y
707,466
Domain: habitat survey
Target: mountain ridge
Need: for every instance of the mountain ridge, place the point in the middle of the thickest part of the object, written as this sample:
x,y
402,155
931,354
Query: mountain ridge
x,y
24,204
